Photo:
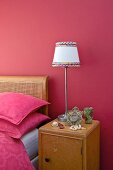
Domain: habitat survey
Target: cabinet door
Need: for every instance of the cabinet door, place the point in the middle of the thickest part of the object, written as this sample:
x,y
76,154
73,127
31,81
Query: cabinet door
x,y
60,153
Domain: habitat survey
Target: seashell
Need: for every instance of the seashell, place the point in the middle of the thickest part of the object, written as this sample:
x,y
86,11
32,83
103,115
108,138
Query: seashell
x,y
79,126
73,127
76,127
83,128
54,124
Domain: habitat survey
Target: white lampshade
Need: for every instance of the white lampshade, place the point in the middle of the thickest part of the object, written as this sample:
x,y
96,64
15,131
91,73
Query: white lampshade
x,y
66,55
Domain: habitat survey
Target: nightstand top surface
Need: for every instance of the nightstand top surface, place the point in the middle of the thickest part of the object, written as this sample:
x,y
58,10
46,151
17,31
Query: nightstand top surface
x,y
88,128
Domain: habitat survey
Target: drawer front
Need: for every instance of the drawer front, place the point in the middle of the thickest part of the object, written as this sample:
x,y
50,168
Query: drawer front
x,y
60,153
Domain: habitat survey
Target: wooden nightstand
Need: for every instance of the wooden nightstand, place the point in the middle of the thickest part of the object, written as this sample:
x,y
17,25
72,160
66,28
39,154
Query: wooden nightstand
x,y
64,149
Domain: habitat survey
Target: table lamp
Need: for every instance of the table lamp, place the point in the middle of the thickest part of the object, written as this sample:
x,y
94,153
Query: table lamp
x,y
65,55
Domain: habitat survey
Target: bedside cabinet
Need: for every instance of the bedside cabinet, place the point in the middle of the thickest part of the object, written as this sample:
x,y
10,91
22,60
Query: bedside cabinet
x,y
65,149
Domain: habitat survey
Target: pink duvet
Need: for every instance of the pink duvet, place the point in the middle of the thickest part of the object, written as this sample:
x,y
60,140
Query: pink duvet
x,y
13,155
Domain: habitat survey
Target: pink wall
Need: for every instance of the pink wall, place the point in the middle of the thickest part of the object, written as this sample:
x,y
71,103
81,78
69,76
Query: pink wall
x,y
28,32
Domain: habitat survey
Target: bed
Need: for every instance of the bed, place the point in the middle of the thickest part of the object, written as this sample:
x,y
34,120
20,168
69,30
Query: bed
x,y
36,86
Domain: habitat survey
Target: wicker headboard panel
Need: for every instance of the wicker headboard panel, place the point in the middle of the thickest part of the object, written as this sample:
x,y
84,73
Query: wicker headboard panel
x,y
36,86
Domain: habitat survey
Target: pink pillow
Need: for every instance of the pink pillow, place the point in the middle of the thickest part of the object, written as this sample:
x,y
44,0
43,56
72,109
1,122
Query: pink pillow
x,y
14,107
32,121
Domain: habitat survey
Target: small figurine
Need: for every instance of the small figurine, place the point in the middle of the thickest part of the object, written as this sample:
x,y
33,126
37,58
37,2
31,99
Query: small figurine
x,y
88,114
74,116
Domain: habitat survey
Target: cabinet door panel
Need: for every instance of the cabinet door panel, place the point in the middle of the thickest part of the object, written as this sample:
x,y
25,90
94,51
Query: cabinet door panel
x,y
61,153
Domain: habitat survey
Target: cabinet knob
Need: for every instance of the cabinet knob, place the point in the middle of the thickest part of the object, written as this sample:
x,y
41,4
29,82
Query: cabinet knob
x,y
47,159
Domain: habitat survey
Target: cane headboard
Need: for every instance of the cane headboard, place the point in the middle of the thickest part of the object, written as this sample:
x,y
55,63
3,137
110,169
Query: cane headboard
x,y
36,86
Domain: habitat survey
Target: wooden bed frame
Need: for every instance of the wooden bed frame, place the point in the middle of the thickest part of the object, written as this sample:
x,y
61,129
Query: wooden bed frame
x,y
36,86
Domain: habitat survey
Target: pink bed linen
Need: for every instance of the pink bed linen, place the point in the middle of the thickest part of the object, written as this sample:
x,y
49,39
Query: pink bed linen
x,y
13,155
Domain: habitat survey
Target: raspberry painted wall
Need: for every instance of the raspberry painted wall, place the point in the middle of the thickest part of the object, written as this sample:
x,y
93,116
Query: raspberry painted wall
x,y
29,30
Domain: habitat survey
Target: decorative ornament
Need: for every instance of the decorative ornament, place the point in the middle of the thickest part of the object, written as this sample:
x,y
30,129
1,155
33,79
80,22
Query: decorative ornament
x,y
88,114
74,116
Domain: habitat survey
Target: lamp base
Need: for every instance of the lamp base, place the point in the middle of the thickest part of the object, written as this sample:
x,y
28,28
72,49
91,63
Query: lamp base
x,y
62,118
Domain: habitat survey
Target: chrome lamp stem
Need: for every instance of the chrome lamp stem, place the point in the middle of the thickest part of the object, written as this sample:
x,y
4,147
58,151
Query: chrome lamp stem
x,y
63,117
66,94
